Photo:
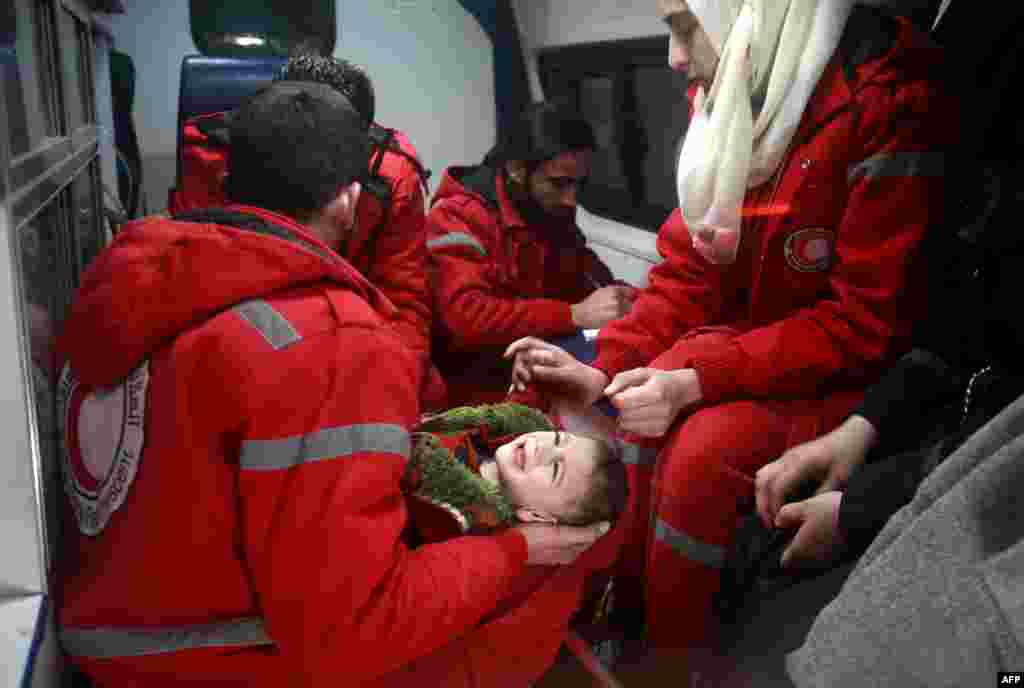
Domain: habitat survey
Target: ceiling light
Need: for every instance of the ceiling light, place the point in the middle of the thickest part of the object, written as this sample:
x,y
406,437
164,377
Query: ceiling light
x,y
247,41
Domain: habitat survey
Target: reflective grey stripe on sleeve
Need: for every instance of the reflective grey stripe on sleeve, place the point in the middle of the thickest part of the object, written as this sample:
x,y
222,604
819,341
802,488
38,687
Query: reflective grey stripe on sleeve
x,y
692,549
899,165
457,239
634,455
112,641
332,443
278,332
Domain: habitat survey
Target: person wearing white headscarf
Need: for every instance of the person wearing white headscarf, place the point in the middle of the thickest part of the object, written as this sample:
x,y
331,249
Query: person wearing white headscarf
x,y
813,163
776,50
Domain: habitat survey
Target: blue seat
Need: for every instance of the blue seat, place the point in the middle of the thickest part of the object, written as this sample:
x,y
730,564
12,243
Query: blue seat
x,y
216,84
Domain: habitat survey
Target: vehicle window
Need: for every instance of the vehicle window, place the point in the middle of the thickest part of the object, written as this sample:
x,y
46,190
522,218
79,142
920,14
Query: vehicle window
x,y
236,28
26,76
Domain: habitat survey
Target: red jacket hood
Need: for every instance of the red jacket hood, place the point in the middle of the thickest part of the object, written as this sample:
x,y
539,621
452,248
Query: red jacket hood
x,y
160,277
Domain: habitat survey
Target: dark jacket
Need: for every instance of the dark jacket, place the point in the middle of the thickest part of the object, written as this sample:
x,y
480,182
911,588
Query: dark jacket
x,y
967,365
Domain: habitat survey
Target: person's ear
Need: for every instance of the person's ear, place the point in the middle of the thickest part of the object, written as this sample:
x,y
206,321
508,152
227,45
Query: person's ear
x,y
342,210
530,515
516,171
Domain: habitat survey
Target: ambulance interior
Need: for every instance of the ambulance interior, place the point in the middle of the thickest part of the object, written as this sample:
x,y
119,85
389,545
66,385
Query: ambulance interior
x,y
93,96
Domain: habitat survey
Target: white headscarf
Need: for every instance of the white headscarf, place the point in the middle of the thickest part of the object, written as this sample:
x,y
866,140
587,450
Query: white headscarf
x,y
727,151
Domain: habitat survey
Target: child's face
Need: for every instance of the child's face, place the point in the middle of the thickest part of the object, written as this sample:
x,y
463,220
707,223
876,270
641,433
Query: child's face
x,y
545,472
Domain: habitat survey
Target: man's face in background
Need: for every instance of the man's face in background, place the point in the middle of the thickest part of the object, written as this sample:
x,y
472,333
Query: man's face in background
x,y
552,187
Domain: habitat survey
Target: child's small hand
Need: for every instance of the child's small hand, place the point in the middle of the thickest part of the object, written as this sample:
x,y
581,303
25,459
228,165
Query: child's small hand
x,y
826,462
818,540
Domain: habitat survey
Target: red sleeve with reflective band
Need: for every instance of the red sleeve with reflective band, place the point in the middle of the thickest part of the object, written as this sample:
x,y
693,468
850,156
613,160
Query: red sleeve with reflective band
x,y
874,291
399,255
684,291
321,456
464,241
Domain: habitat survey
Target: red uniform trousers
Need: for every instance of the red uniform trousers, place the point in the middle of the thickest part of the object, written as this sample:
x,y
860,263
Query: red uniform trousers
x,y
684,508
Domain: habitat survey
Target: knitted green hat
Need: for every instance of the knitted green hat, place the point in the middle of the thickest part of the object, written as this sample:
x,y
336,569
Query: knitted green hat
x,y
434,475
497,420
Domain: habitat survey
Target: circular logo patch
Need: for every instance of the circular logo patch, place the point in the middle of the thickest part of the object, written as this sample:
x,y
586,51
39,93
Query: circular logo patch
x,y
810,250
102,434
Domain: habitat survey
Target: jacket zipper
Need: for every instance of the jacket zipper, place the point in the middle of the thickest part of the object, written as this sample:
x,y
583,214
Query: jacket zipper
x,y
762,235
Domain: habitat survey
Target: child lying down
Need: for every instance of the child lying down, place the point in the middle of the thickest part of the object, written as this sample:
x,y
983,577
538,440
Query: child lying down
x,y
476,469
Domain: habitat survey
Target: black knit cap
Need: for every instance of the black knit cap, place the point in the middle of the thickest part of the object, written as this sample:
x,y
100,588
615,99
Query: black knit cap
x,y
294,147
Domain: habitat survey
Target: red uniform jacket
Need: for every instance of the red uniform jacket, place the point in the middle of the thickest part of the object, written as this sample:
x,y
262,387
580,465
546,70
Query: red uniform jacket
x,y
235,416
826,284
498,278
391,251
393,256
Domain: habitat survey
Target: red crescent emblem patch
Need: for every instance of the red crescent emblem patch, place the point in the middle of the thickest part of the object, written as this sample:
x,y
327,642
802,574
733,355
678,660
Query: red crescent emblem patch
x,y
102,432
810,250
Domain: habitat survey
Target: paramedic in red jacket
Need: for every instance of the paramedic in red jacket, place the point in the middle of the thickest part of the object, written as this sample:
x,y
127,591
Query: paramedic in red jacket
x,y
232,449
736,352
389,246
508,258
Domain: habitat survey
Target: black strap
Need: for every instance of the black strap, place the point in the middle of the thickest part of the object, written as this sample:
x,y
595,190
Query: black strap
x,y
383,139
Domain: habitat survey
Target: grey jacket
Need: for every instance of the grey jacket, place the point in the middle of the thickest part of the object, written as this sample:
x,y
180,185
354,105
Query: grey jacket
x,y
938,599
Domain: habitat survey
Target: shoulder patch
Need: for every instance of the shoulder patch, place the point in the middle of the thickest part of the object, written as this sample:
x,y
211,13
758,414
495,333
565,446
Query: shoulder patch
x,y
810,250
102,433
